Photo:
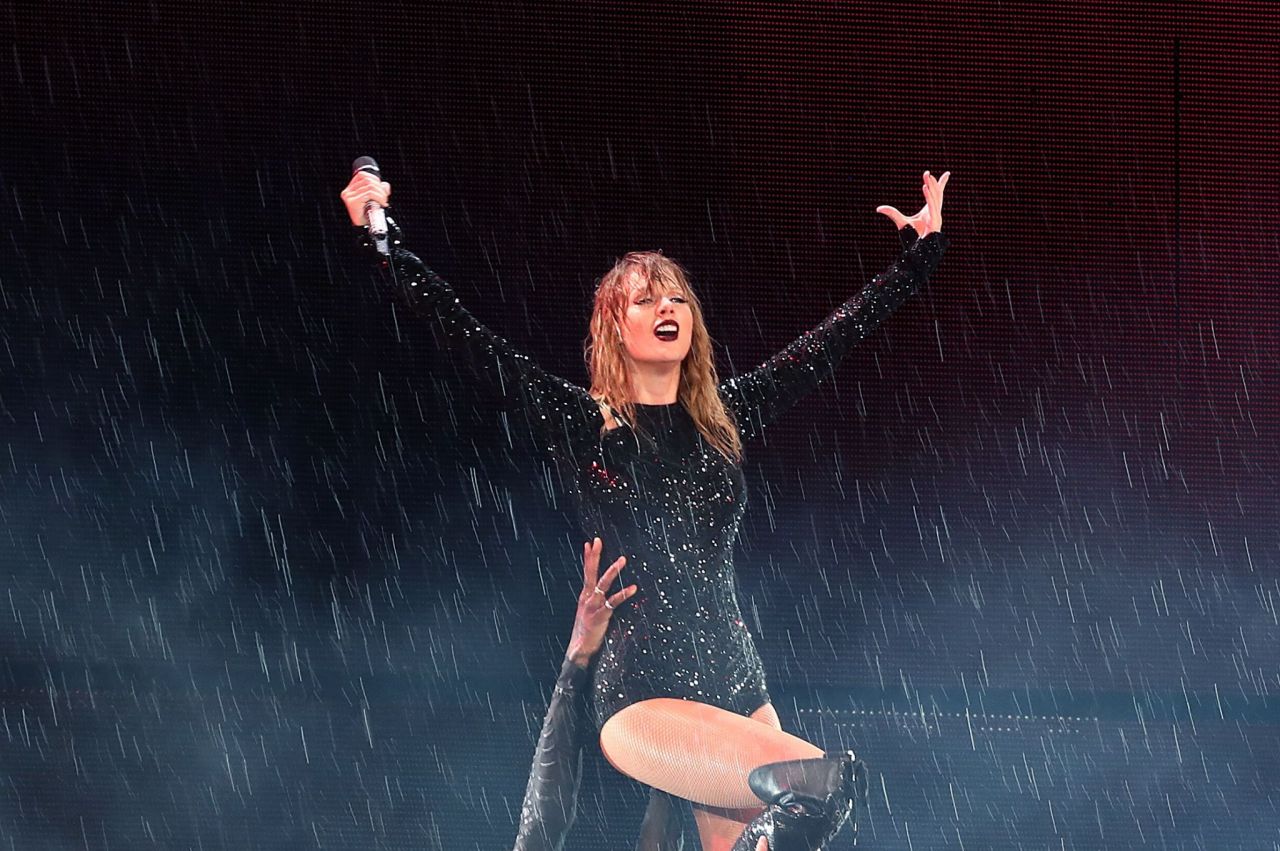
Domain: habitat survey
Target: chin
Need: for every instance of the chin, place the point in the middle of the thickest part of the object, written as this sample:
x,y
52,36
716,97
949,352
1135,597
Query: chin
x,y
659,356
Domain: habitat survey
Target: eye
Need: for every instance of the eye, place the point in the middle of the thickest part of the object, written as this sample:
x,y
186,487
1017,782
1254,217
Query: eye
x,y
645,299
679,299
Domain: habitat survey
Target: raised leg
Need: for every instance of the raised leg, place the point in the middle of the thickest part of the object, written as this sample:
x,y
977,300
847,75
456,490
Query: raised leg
x,y
696,751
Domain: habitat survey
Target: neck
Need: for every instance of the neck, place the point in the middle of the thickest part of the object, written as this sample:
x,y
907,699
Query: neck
x,y
655,383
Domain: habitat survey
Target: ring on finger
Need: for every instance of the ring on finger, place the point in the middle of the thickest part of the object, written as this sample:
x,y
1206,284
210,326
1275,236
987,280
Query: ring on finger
x,y
598,590
607,605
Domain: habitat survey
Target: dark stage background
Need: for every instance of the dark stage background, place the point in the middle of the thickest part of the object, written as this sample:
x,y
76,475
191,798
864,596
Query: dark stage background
x,y
275,579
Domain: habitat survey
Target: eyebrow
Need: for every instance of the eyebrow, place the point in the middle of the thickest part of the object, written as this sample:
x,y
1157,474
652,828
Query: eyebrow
x,y
647,291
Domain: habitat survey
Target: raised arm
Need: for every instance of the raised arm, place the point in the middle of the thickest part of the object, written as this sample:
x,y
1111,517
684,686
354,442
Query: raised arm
x,y
554,404
759,396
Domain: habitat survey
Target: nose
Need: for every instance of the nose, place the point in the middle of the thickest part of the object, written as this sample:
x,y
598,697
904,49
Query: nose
x,y
666,305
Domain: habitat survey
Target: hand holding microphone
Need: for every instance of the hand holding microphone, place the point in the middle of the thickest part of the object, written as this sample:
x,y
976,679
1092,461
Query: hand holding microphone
x,y
365,198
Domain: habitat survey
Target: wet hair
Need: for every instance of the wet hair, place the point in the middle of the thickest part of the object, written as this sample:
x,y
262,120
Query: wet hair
x,y
607,362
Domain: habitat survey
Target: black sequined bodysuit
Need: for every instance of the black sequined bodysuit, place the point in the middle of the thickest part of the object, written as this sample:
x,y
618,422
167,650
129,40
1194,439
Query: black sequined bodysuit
x,y
659,494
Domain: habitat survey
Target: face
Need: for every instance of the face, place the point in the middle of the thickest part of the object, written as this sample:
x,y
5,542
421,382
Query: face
x,y
657,326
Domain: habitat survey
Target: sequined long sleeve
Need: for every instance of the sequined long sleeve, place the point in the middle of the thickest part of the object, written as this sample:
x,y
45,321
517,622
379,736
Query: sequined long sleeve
x,y
559,410
757,397
551,796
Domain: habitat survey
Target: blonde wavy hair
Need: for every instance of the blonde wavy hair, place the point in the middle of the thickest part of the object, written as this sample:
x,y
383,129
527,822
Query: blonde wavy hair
x,y
607,359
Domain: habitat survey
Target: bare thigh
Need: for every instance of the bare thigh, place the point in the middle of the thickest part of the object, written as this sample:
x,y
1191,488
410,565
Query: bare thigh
x,y
696,751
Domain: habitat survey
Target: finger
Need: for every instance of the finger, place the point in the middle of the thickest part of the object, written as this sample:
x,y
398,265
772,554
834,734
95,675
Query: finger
x,y
363,182
362,193
612,573
942,184
622,596
590,562
892,213
763,844
355,199
935,193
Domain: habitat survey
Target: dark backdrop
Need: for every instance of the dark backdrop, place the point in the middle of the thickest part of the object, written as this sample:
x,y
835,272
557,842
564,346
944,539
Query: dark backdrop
x,y
275,578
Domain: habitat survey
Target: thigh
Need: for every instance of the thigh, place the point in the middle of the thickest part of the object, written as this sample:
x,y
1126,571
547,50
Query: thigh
x,y
697,751
719,828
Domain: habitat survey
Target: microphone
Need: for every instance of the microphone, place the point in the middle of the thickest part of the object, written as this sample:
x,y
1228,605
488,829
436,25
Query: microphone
x,y
373,211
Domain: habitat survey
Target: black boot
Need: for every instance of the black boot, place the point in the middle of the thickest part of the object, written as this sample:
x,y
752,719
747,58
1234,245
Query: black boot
x,y
808,801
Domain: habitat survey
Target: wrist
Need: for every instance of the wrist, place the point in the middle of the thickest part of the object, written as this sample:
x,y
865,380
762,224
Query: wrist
x,y
573,676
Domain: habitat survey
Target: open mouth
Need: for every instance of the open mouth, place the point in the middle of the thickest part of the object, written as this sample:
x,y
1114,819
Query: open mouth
x,y
667,331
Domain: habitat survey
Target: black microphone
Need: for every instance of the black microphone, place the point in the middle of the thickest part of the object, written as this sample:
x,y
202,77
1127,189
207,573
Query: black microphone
x,y
373,211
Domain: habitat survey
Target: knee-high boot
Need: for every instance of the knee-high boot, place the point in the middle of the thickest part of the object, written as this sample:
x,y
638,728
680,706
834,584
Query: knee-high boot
x,y
807,802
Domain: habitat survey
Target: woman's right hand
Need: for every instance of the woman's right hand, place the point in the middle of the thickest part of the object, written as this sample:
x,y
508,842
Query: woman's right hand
x,y
595,604
364,187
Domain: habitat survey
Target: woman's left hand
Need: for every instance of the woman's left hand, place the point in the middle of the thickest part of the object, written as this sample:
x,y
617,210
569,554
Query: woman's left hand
x,y
595,604
929,219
